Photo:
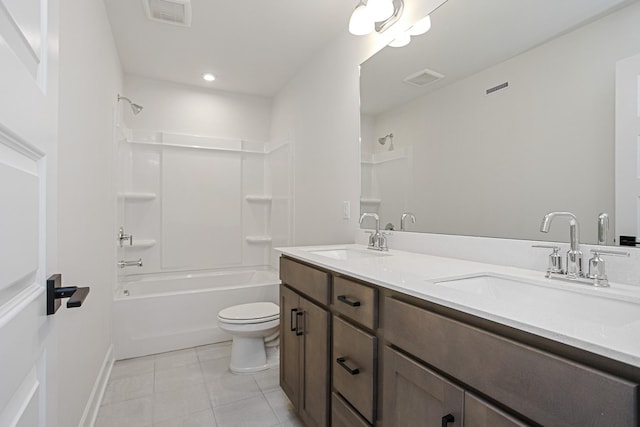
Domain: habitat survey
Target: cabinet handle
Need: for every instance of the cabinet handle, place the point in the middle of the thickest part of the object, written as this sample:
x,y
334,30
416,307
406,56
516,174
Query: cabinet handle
x,y
447,419
352,303
293,310
342,362
298,315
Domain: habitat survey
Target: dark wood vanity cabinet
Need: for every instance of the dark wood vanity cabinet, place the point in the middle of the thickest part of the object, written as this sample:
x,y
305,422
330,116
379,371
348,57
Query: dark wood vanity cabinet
x,y
545,388
304,341
355,354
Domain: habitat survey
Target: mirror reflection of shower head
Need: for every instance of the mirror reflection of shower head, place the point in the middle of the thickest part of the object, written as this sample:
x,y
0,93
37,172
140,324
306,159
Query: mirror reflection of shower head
x,y
383,141
135,108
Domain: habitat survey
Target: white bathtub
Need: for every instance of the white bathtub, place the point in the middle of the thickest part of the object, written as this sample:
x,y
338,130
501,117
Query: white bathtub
x,y
160,313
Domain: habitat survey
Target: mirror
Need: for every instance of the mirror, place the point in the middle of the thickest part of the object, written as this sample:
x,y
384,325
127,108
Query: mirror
x,y
501,113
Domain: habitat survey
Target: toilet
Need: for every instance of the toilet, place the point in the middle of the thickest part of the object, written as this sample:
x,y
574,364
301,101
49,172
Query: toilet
x,y
254,328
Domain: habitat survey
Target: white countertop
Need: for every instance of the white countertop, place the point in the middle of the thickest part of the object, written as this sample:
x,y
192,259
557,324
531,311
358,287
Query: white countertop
x,y
605,321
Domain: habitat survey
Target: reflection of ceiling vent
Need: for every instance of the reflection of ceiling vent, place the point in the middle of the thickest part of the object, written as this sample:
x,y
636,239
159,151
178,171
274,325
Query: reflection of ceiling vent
x,y
422,78
176,12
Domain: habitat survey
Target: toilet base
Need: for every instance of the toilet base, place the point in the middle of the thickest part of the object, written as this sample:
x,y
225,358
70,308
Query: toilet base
x,y
248,355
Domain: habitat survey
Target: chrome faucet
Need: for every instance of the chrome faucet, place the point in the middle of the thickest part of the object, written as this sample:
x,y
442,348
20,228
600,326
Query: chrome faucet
x,y
403,218
603,228
134,263
377,240
574,255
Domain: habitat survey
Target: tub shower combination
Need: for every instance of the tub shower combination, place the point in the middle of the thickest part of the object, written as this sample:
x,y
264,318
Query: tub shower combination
x,y
196,217
157,314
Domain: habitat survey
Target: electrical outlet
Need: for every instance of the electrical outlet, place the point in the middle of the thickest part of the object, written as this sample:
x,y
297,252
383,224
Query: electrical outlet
x,y
346,210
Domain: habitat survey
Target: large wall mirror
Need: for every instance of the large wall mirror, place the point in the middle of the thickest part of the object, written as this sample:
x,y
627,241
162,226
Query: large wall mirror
x,y
504,111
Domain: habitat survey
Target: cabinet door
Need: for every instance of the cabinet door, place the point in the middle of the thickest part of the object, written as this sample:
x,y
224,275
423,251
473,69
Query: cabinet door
x,y
342,415
478,413
314,404
414,396
290,344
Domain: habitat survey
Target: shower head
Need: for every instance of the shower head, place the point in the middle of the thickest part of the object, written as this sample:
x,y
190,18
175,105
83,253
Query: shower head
x,y
135,108
383,141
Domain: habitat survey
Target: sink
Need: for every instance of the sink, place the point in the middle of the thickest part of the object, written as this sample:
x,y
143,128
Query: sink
x,y
553,301
348,253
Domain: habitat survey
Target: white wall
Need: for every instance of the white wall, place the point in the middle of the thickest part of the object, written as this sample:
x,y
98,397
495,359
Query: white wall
x,y
90,78
177,108
319,110
552,129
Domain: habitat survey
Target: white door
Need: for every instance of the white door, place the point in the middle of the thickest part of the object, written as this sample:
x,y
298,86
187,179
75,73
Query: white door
x,y
628,147
28,138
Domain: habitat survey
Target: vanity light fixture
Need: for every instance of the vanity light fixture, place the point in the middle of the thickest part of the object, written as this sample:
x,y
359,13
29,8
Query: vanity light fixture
x,y
380,9
208,77
361,22
421,27
375,15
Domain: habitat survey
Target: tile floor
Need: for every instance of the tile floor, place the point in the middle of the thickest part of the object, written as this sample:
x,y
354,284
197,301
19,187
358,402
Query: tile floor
x,y
193,388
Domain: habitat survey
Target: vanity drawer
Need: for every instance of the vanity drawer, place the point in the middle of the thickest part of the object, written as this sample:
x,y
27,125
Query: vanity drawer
x,y
343,415
356,301
307,280
354,366
548,389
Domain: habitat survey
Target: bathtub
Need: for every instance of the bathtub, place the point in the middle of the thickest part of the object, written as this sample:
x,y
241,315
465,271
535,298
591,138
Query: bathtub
x,y
158,313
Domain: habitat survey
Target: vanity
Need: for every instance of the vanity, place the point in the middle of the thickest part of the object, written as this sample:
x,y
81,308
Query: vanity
x,y
405,339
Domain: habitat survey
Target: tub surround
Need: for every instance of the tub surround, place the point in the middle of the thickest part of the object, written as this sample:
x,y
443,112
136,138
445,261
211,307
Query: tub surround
x,y
414,274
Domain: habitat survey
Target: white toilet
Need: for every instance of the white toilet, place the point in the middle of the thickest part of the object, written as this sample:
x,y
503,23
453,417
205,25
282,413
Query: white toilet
x,y
252,326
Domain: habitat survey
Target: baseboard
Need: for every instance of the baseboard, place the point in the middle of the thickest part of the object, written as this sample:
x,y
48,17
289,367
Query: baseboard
x,y
97,393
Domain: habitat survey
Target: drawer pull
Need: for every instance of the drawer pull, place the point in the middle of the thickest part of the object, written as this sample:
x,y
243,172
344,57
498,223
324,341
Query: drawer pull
x,y
342,362
352,303
293,310
298,315
447,419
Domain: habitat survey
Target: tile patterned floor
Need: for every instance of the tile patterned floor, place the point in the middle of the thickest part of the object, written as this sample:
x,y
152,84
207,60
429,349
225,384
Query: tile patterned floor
x,y
193,388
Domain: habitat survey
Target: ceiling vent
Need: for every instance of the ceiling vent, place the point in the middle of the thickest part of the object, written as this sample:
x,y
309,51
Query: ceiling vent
x,y
176,12
423,78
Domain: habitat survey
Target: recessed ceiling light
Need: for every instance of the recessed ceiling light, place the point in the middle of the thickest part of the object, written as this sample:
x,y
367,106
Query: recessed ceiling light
x,y
208,77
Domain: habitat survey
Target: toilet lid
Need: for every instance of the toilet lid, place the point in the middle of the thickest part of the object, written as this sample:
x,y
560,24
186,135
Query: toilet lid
x,y
256,312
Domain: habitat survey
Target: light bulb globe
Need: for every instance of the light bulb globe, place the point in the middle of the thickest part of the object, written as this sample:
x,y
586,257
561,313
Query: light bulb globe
x,y
422,26
380,10
361,22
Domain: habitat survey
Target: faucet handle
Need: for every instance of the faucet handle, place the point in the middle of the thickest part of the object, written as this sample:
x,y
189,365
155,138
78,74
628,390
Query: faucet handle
x,y
596,266
371,237
609,252
382,241
555,260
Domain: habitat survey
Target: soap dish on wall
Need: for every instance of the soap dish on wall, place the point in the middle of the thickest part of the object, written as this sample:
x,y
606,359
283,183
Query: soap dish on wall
x,y
136,196
258,199
258,239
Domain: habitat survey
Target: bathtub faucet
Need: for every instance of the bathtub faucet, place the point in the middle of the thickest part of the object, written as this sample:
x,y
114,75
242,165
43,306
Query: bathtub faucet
x,y
123,263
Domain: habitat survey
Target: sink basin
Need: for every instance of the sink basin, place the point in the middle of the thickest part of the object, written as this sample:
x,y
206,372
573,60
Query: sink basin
x,y
348,253
553,301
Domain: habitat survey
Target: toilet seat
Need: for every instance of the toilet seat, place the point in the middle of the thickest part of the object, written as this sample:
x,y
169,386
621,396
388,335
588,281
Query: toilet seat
x,y
258,312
